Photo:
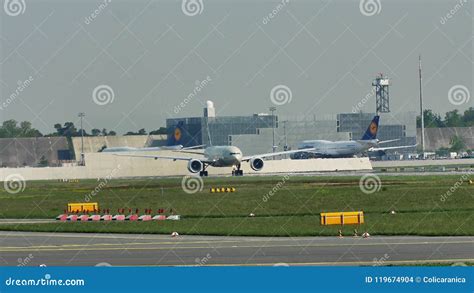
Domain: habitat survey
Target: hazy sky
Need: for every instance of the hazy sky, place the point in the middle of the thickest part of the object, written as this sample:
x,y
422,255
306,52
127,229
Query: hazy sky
x,y
153,54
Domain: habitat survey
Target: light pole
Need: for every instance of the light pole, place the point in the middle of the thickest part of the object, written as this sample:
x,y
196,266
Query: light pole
x,y
82,115
273,109
421,111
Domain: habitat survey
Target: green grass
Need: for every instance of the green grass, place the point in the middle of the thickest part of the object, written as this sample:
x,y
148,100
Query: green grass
x,y
292,211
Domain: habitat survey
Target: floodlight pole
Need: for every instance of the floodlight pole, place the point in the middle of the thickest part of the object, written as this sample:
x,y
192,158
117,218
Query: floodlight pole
x,y
421,111
82,115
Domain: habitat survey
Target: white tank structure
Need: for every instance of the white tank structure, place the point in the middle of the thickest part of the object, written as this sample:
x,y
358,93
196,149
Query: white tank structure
x,y
209,111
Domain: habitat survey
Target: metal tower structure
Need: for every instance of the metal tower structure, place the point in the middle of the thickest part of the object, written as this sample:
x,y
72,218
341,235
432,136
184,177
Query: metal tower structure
x,y
382,98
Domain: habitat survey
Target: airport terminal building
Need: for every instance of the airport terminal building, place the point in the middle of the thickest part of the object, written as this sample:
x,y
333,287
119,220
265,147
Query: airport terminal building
x,y
256,133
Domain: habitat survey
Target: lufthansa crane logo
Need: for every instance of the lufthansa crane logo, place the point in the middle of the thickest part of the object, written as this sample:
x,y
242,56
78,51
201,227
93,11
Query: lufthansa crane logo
x,y
373,128
177,134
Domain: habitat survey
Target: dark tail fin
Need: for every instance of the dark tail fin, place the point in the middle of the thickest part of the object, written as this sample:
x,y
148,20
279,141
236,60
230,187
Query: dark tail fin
x,y
371,132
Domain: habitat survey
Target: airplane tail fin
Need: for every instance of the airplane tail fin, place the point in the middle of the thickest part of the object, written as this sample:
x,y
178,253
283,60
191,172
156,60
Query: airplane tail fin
x,y
174,138
371,132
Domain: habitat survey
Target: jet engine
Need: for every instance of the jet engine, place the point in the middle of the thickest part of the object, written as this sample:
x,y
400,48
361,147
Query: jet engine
x,y
256,164
195,166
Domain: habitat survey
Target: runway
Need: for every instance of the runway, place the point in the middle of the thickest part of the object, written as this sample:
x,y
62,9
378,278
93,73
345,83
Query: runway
x,y
74,249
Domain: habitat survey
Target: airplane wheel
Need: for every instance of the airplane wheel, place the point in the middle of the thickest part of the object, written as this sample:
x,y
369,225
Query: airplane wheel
x,y
205,173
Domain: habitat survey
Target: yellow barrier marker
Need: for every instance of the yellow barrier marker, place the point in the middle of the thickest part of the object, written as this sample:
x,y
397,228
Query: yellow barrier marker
x,y
342,218
82,207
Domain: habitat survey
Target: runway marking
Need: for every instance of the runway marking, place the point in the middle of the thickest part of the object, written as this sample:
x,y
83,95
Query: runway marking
x,y
75,247
394,262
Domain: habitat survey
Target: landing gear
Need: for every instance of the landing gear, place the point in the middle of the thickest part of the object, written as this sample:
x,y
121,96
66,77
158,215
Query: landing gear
x,y
203,172
238,172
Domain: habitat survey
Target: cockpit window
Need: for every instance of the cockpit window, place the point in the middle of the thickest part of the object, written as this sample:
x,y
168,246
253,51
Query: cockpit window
x,y
234,153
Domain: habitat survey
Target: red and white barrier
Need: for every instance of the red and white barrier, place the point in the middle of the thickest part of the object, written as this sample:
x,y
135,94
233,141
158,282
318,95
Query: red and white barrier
x,y
131,218
106,218
144,218
62,217
72,218
83,218
118,218
159,218
94,218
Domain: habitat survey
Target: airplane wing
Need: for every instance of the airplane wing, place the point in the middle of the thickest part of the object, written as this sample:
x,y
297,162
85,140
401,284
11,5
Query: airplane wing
x,y
387,141
190,152
156,157
248,158
392,148
194,147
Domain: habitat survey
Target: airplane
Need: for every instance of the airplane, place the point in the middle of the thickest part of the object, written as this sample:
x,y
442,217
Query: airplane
x,y
218,156
147,149
346,149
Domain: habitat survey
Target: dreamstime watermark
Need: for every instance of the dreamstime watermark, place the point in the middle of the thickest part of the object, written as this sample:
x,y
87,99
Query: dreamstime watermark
x,y
14,183
275,188
280,95
199,86
202,261
445,18
456,185
381,261
458,95
25,261
370,7
357,108
192,7
21,86
14,7
192,184
370,183
101,184
103,95
276,10
94,14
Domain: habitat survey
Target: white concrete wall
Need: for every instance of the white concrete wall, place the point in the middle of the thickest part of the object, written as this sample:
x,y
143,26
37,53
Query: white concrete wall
x,y
416,163
93,144
101,165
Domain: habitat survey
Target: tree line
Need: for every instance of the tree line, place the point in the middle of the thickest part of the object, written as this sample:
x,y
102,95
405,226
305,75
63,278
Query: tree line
x,y
451,119
11,128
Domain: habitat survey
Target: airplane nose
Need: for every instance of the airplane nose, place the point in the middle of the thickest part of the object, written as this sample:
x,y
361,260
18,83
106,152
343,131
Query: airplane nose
x,y
237,157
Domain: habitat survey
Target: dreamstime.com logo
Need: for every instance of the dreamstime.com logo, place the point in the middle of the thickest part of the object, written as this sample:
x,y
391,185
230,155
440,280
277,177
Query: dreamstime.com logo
x,y
192,184
370,7
275,188
192,7
370,183
22,86
459,95
280,95
199,86
14,7
103,183
464,178
103,95
202,261
14,183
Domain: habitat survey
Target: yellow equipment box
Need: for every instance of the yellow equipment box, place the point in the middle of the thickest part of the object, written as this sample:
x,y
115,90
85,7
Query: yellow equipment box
x,y
342,218
82,207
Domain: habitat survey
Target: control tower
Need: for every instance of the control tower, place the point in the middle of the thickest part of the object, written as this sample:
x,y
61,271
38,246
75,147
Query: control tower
x,y
382,98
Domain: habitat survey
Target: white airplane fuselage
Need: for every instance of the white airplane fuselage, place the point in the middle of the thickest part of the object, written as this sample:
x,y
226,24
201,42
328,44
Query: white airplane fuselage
x,y
347,148
223,156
